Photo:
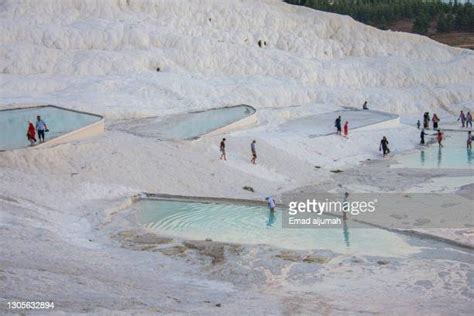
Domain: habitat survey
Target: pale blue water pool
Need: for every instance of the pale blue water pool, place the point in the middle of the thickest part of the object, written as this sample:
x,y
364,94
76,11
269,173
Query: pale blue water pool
x,y
14,124
188,125
454,154
256,225
323,124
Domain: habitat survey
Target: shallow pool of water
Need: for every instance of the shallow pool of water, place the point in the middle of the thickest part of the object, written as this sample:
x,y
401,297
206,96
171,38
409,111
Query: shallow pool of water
x,y
323,124
14,124
454,154
255,225
188,125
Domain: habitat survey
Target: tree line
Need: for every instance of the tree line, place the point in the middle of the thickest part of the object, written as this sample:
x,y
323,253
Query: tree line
x,y
446,17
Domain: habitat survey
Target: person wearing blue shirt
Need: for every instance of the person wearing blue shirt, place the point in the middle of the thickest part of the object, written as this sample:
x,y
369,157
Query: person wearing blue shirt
x,y
41,128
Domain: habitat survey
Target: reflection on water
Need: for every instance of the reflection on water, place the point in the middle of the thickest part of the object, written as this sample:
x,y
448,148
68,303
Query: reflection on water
x,y
345,231
256,225
439,156
453,154
271,219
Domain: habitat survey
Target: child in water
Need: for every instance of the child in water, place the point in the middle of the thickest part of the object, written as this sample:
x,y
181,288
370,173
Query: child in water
x,y
439,137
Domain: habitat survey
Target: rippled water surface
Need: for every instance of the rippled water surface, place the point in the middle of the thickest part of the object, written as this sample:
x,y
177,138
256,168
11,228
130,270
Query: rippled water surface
x,y
255,225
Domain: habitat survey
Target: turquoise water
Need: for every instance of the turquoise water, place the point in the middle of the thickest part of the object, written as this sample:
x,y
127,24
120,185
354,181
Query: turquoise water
x,y
256,225
188,125
14,124
323,123
454,154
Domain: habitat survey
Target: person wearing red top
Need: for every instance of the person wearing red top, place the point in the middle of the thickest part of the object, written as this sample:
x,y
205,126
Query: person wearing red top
x,y
439,137
346,129
31,133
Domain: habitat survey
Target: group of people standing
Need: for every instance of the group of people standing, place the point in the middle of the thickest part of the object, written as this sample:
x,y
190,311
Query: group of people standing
x,y
426,121
466,122
40,129
466,119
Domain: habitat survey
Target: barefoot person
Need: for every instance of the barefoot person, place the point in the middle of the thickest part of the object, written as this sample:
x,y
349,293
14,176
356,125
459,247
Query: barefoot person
x,y
426,120
271,203
435,121
422,136
41,128
31,133
337,124
384,146
346,129
222,149
365,106
462,118
254,152
468,119
439,138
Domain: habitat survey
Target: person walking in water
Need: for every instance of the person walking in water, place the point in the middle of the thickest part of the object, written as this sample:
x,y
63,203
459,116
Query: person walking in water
x,y
462,118
364,106
439,138
271,203
346,129
31,133
254,152
435,121
384,146
337,124
41,128
468,119
422,136
222,149
469,140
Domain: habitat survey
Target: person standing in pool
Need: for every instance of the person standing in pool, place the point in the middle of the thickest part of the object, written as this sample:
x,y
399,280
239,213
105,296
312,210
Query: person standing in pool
x,y
384,146
222,149
31,133
254,152
422,136
337,124
462,118
468,119
41,128
435,121
271,203
469,140
346,129
439,138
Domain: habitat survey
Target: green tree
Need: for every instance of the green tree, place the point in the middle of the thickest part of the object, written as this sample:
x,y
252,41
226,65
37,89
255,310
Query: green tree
x,y
421,24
